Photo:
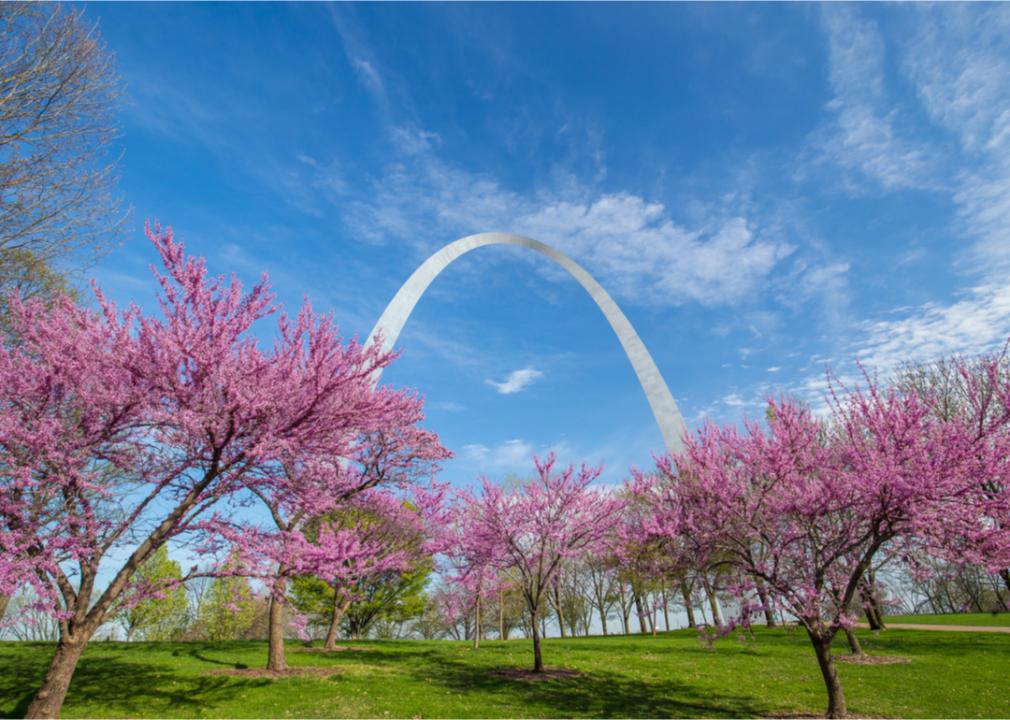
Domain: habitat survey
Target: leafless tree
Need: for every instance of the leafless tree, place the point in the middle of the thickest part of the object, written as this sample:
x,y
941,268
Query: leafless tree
x,y
58,92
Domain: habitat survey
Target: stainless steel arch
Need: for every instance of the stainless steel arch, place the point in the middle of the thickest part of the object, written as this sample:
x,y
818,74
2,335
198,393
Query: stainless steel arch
x,y
394,317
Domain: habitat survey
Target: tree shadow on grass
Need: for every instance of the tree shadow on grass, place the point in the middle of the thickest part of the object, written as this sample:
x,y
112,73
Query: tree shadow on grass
x,y
113,685
196,654
599,693
926,642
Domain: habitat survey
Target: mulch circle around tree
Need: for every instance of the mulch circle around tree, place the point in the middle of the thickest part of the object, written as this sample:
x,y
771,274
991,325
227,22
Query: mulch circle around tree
x,y
873,659
338,648
276,674
547,674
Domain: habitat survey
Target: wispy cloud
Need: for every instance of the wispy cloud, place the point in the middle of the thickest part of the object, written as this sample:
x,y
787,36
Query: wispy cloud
x,y
959,62
447,406
977,323
517,381
515,455
359,55
368,75
633,245
861,136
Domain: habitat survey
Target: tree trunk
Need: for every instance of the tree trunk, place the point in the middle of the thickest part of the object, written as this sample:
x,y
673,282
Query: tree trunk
x,y
603,621
643,625
872,618
854,647
538,661
557,607
476,624
995,589
339,608
666,611
836,697
501,616
871,605
713,604
275,651
625,610
686,593
1005,574
48,701
4,600
763,595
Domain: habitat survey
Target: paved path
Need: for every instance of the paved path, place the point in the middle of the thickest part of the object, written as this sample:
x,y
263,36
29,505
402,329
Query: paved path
x,y
946,628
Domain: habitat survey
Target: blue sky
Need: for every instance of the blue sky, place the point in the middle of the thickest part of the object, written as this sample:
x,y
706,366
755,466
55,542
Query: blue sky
x,y
765,190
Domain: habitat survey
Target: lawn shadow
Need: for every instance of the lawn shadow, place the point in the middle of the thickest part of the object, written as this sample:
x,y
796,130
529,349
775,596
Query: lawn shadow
x,y
117,686
600,693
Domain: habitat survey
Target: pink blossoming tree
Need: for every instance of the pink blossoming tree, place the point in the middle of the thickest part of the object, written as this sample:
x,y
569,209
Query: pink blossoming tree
x,y
530,531
801,509
121,431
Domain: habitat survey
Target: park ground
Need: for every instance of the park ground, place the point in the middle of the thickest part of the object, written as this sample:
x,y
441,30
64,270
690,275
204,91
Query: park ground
x,y
670,675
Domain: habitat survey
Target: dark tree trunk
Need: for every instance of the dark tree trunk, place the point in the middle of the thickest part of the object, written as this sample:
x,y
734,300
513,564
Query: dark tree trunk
x,y
476,624
643,625
501,616
666,611
275,635
713,604
339,608
854,647
4,600
538,660
557,607
836,696
686,594
50,696
1005,574
871,606
995,589
625,611
603,621
763,595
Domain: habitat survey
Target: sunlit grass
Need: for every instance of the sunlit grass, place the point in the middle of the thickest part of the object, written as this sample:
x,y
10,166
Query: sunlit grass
x,y
950,674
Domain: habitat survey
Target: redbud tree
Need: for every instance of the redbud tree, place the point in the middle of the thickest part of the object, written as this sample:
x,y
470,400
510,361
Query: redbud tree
x,y
554,516
122,430
802,507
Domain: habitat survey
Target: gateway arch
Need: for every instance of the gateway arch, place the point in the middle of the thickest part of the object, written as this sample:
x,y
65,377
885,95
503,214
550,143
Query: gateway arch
x,y
394,317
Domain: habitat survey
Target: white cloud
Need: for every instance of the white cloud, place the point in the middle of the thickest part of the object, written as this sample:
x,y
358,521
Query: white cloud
x,y
632,245
977,323
980,322
512,455
959,63
447,406
412,140
734,400
861,137
643,254
516,381
368,75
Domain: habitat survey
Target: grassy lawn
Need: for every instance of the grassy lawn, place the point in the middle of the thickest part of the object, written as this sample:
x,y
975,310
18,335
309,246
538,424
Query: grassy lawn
x,y
962,675
992,619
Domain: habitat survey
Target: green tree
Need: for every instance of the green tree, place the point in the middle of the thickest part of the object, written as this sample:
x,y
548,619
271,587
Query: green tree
x,y
228,610
161,618
391,597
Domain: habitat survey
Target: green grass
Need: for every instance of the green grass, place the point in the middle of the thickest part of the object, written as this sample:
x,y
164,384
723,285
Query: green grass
x,y
950,674
991,619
